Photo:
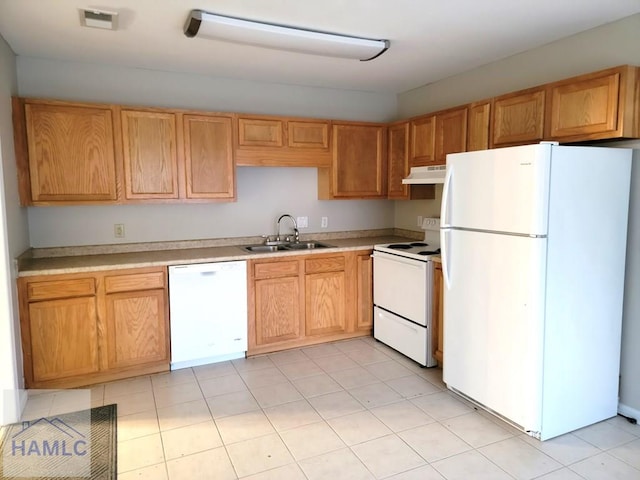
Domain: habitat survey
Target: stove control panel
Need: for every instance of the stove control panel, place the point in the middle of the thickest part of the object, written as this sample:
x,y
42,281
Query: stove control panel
x,y
431,223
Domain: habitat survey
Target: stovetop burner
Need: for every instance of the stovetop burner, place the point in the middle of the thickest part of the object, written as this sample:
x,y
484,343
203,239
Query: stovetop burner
x,y
430,252
399,246
419,244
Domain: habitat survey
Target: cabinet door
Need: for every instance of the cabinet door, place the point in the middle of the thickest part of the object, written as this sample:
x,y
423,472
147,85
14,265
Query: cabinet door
x,y
136,328
398,161
358,164
308,135
518,118
423,141
278,310
438,313
71,153
451,133
256,132
208,148
585,107
478,132
364,279
325,303
150,155
63,340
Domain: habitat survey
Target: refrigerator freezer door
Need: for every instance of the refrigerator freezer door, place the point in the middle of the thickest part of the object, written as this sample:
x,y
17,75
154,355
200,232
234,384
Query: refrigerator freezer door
x,y
493,322
501,190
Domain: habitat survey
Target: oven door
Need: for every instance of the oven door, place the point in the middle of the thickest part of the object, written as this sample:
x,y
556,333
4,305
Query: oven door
x,y
403,286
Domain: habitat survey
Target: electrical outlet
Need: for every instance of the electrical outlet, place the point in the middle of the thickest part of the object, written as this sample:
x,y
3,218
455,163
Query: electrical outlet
x,y
324,222
419,220
302,222
118,230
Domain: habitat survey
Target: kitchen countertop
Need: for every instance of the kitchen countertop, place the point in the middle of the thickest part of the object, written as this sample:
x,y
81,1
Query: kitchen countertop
x,y
30,264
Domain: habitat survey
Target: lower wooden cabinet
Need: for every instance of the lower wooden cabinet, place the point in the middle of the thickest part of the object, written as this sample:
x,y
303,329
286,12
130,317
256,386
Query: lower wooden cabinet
x,y
80,329
364,300
306,299
438,313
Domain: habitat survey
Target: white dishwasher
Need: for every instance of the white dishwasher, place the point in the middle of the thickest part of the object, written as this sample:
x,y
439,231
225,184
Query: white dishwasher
x,y
208,312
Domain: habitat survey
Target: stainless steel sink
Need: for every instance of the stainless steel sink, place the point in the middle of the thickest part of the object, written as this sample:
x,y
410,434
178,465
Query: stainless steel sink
x,y
307,245
283,247
263,248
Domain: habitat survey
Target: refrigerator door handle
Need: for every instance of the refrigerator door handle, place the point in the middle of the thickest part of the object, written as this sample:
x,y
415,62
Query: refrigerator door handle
x,y
444,248
445,210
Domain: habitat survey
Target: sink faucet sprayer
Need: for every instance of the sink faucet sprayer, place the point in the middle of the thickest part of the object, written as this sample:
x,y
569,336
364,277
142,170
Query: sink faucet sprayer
x,y
295,228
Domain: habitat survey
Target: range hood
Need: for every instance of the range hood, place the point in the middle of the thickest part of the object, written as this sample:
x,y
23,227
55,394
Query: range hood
x,y
425,175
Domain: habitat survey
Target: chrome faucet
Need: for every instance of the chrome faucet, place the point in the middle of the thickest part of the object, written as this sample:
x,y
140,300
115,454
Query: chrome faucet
x,y
296,234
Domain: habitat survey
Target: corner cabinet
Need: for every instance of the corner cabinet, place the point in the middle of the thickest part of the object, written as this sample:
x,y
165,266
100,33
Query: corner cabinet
x,y
358,163
66,153
80,329
436,135
398,160
306,299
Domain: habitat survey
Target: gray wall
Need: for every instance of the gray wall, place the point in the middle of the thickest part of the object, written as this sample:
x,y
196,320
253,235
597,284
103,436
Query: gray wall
x,y
263,193
610,45
14,238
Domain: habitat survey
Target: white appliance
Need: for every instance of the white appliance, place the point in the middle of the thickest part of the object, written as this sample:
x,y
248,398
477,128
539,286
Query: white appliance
x,y
208,311
402,294
533,254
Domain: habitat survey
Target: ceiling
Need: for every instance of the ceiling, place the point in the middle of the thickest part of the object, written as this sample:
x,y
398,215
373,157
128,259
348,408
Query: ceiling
x,y
430,39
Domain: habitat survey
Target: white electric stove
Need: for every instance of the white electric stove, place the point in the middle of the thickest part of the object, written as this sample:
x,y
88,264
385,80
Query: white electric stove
x,y
402,294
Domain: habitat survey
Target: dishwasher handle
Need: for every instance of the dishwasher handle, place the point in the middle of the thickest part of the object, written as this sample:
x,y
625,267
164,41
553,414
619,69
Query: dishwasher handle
x,y
207,269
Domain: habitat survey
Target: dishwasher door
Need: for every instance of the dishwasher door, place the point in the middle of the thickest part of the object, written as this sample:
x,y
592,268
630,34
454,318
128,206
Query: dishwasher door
x,y
208,312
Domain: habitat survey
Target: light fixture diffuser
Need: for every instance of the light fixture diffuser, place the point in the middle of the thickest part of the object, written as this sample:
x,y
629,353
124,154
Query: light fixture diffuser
x,y
279,37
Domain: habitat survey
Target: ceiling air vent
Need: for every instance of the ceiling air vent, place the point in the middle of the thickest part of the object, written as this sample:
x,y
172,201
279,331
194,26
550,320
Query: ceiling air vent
x,y
99,19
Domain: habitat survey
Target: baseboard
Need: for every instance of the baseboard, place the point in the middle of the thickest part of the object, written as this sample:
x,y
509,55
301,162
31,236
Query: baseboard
x,y
628,411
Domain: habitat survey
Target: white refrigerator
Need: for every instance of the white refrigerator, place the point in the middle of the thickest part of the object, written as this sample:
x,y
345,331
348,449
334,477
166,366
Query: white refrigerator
x,y
533,243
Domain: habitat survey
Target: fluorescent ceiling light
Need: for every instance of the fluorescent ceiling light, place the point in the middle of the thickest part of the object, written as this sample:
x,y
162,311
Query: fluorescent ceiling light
x,y
280,37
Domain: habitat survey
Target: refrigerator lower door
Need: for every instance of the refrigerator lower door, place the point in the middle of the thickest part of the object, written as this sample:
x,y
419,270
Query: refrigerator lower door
x,y
494,322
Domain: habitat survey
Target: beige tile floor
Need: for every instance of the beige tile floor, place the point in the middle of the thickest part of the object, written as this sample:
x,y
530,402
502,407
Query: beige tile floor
x,y
348,410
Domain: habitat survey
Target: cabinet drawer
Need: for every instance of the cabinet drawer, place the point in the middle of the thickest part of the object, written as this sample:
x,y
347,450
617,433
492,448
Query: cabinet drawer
x,y
135,281
324,264
276,269
61,289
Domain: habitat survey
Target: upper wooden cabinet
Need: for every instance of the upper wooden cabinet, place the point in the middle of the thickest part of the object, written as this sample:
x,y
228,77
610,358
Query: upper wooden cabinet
x,y
208,157
599,105
451,133
150,155
65,153
518,118
478,126
282,141
358,164
423,141
398,166
398,160
436,135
